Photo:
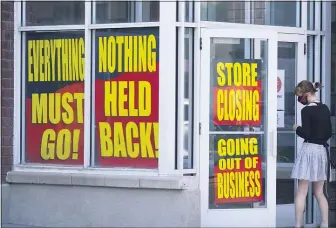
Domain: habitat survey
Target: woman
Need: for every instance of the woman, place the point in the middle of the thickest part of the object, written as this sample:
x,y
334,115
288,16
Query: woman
x,y
311,164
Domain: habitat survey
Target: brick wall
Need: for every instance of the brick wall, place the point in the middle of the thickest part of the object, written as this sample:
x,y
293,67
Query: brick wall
x,y
7,86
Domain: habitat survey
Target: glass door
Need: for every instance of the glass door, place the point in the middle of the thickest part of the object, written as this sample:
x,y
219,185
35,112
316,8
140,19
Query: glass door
x,y
291,70
238,128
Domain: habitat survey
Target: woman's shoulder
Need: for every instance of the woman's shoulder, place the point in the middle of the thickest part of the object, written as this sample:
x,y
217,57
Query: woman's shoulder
x,y
314,107
315,103
311,107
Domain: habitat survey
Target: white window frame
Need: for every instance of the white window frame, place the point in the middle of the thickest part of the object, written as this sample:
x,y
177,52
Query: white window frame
x,y
181,26
167,92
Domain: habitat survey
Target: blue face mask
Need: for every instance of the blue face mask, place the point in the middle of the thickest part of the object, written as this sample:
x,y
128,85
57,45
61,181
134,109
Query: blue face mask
x,y
303,100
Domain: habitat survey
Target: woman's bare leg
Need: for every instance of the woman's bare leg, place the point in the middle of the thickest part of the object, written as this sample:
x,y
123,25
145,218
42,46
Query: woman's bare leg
x,y
300,201
322,201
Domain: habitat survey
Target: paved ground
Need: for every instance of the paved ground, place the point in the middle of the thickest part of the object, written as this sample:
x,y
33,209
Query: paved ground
x,y
17,226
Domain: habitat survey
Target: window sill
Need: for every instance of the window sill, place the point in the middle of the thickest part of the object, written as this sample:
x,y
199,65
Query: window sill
x,y
77,179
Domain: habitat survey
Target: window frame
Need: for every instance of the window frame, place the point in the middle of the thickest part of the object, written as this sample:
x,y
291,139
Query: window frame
x,y
167,34
168,26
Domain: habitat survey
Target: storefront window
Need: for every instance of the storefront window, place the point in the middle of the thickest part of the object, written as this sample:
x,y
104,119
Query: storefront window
x,y
188,98
189,10
310,58
311,15
286,149
278,13
333,79
54,13
225,11
126,103
54,97
333,66
230,153
127,11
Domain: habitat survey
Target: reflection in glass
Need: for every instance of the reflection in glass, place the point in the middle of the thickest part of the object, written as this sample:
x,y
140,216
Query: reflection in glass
x,y
150,11
115,12
333,111
44,134
310,57
285,160
278,13
333,156
229,152
223,11
55,13
188,10
287,61
219,166
333,66
127,11
228,50
333,145
188,98
112,146
234,50
311,15
286,146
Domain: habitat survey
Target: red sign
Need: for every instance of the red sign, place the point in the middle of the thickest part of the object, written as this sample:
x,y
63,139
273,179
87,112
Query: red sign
x,y
279,84
238,171
125,99
238,105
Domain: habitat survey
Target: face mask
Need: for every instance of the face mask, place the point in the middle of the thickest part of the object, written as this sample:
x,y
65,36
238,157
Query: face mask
x,y
303,100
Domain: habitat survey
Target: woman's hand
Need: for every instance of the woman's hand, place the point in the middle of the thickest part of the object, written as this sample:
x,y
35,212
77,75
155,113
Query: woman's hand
x,y
295,127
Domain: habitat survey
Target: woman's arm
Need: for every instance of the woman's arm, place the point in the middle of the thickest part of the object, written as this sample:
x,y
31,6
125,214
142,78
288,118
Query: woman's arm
x,y
304,130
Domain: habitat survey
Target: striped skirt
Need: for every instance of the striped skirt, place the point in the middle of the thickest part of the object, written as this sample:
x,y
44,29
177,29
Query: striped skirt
x,y
311,163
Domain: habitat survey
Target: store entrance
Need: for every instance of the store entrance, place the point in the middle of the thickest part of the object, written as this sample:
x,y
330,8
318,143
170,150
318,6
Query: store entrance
x,y
292,68
238,127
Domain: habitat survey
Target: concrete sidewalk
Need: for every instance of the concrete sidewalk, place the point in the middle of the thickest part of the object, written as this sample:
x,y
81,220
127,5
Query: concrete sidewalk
x,y
5,225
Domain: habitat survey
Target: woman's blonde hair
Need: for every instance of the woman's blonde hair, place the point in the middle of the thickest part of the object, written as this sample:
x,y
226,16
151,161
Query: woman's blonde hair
x,y
306,86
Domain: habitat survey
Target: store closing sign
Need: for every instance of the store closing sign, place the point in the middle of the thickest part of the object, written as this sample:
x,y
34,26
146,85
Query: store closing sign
x,y
126,98
125,105
237,95
55,98
237,101
238,170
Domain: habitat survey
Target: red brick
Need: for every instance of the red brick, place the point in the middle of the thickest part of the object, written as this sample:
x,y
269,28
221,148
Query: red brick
x,y
7,140
7,84
7,93
7,54
6,63
6,112
7,121
7,102
6,35
6,160
7,151
5,169
6,16
7,131
7,25
9,44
